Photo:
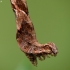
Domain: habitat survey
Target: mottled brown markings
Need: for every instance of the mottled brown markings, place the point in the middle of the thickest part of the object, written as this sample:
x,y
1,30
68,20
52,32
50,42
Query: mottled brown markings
x,y
25,31
22,6
26,36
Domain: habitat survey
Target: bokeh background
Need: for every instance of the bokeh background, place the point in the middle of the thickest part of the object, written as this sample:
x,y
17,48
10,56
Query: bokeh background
x,y
51,20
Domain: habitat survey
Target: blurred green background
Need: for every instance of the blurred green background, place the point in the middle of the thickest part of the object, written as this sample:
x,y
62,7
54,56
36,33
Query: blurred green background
x,y
51,20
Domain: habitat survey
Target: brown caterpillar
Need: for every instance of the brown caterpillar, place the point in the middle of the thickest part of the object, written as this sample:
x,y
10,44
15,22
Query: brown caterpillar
x,y
26,36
